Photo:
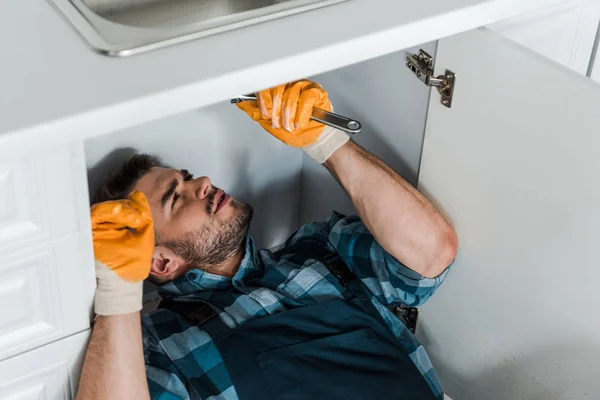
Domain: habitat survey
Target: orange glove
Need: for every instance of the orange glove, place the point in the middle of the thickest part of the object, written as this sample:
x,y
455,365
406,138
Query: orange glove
x,y
284,111
123,235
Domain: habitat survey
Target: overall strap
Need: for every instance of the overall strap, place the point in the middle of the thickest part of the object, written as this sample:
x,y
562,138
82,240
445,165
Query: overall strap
x,y
332,261
338,268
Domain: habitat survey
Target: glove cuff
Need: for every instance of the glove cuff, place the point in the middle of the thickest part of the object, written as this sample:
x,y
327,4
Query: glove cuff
x,y
330,140
114,295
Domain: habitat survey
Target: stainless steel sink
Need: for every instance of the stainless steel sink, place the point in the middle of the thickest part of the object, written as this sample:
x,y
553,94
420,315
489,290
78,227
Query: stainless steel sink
x,y
126,27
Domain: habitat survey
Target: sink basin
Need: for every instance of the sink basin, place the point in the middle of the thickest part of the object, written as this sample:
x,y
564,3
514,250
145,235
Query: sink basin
x,y
126,27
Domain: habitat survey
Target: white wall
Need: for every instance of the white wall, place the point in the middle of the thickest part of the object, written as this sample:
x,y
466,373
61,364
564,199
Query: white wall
x,y
392,104
223,143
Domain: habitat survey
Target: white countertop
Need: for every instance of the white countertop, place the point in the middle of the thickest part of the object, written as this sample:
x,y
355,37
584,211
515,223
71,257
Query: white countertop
x,y
54,89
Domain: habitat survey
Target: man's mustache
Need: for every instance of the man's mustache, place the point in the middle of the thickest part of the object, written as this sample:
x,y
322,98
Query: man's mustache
x,y
210,200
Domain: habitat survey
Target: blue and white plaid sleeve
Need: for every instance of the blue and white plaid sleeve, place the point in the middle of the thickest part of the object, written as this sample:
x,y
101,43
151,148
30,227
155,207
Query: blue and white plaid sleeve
x,y
164,382
387,278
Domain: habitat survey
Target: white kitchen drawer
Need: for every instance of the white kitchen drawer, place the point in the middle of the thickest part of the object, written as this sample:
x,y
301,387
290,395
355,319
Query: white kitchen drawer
x,y
43,196
564,33
48,373
46,293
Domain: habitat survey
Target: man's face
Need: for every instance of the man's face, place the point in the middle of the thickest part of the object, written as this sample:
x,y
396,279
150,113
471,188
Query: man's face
x,y
199,222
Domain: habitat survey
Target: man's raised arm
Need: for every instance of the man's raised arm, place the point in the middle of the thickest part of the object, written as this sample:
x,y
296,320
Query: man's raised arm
x,y
400,218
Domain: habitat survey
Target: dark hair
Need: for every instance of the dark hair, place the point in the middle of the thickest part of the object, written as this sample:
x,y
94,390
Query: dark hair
x,y
118,184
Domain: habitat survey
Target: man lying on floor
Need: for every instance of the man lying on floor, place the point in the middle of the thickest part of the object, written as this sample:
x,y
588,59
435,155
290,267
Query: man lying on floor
x,y
310,321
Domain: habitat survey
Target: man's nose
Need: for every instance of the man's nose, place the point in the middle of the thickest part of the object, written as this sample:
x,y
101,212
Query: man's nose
x,y
203,187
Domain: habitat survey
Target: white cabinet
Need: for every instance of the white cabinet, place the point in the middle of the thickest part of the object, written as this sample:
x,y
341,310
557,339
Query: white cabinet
x,y
46,260
48,373
502,163
515,164
564,33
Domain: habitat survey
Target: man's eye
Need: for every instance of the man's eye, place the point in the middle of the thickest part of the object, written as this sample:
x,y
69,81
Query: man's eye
x,y
175,197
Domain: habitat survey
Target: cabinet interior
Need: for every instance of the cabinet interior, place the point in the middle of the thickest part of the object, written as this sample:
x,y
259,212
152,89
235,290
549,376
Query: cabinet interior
x,y
285,188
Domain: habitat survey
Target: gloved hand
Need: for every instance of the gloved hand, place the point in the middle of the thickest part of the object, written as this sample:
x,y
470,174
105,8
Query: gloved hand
x,y
123,234
284,111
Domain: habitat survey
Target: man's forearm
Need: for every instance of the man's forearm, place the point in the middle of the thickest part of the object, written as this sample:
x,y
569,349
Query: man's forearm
x,y
400,218
114,362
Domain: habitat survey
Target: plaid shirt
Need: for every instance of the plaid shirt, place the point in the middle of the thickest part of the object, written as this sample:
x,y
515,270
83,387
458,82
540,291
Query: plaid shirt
x,y
182,362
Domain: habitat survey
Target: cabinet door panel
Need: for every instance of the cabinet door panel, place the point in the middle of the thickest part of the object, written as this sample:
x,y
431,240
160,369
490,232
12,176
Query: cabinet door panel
x,y
46,293
42,197
48,373
515,163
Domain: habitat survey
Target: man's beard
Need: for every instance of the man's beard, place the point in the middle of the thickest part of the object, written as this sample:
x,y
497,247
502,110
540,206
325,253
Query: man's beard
x,y
215,242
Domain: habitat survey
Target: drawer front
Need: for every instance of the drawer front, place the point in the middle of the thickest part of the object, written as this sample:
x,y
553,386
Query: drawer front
x,y
46,293
42,196
47,373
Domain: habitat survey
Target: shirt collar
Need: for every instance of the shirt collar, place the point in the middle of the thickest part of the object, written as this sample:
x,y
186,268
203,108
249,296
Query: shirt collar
x,y
196,280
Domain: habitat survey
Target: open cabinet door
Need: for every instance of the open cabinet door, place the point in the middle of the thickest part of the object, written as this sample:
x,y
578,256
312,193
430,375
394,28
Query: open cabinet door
x,y
515,164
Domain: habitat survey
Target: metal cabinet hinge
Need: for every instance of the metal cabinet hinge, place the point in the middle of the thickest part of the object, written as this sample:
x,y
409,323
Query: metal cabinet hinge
x,y
422,66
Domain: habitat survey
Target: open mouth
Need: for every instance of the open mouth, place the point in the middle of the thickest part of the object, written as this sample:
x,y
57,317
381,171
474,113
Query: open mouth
x,y
221,200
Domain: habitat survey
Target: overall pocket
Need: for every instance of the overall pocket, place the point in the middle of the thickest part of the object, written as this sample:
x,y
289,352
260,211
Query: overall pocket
x,y
351,365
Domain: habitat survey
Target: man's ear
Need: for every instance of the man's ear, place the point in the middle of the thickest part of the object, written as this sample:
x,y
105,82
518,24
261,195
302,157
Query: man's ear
x,y
166,265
